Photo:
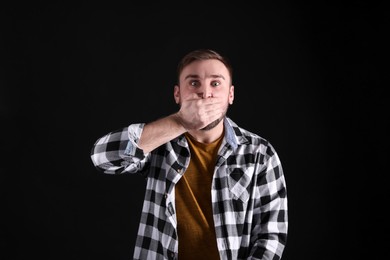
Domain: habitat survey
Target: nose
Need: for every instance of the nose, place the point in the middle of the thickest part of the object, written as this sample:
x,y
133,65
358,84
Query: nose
x,y
205,92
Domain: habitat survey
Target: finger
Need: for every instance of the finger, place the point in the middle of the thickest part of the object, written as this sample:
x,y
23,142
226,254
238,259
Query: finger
x,y
192,96
213,102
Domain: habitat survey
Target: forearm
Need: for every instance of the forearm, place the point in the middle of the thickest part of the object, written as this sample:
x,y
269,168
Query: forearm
x,y
270,233
270,245
160,132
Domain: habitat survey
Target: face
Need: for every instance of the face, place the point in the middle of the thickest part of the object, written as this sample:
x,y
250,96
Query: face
x,y
206,78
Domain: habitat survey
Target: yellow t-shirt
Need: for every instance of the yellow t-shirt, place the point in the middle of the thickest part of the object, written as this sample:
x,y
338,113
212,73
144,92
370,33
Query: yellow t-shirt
x,y
196,232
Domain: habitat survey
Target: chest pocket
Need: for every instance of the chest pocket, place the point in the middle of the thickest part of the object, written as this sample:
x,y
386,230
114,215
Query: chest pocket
x,y
240,183
240,188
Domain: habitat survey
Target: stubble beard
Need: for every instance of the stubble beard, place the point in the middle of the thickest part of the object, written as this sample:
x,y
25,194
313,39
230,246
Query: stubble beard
x,y
214,123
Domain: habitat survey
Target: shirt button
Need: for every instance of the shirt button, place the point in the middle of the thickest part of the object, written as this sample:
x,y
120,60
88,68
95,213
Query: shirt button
x,y
178,170
165,195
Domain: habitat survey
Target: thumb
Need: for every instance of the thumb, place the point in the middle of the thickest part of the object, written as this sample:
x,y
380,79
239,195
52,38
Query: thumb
x,y
194,96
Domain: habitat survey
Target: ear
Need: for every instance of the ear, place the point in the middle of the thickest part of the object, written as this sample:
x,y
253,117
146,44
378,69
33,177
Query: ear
x,y
231,94
176,94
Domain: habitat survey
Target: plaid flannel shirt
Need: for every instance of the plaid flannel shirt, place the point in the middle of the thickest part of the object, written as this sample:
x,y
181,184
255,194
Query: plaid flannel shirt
x,y
249,196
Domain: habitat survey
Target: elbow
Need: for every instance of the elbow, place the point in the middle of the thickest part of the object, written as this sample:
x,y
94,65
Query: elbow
x,y
100,162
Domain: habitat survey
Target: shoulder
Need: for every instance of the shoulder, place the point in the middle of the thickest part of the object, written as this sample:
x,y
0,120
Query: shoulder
x,y
250,140
245,136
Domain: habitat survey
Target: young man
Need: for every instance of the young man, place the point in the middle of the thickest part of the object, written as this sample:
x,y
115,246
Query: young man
x,y
214,190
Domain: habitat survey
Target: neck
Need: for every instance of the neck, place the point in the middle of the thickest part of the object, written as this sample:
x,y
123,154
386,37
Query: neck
x,y
208,136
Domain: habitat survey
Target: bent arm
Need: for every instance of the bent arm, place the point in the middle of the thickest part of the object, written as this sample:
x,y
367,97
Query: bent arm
x,y
127,149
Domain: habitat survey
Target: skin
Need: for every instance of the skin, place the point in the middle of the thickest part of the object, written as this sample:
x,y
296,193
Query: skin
x,y
204,93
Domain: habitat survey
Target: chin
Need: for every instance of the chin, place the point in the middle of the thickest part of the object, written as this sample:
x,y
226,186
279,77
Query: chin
x,y
212,124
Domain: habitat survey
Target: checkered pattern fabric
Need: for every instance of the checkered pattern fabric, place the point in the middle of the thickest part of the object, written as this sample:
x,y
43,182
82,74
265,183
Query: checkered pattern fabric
x,y
249,196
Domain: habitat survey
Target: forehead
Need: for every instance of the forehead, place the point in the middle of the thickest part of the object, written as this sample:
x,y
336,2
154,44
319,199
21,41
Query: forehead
x,y
205,68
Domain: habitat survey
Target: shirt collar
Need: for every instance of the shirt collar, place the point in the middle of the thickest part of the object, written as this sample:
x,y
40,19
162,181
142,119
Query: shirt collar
x,y
233,134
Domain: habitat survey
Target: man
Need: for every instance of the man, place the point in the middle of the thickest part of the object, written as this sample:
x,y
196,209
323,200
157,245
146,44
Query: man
x,y
214,190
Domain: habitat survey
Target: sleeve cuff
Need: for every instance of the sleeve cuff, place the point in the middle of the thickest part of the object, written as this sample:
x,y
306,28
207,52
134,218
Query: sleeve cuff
x,y
134,133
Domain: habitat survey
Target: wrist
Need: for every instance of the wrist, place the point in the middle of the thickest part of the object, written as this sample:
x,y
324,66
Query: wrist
x,y
178,122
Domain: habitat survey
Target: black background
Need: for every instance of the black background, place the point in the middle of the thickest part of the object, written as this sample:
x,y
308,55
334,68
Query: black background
x,y
310,78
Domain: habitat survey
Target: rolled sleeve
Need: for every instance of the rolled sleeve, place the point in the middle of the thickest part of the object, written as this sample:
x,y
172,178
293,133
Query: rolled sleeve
x,y
134,133
118,152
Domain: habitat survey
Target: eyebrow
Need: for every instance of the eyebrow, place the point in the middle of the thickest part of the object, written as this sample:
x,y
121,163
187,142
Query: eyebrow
x,y
215,76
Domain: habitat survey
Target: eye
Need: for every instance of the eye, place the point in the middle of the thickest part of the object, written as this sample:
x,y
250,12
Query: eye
x,y
215,83
194,83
